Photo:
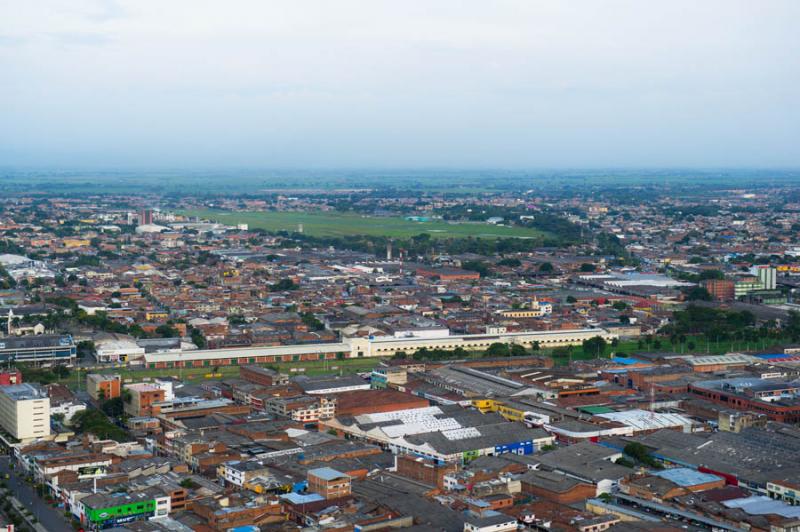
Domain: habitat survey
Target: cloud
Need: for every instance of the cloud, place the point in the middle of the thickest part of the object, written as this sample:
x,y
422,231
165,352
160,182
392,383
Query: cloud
x,y
419,83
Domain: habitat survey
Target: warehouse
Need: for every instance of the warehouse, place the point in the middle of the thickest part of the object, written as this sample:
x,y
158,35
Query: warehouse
x,y
365,347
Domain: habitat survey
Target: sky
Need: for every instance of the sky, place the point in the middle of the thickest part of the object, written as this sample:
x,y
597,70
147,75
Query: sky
x,y
399,84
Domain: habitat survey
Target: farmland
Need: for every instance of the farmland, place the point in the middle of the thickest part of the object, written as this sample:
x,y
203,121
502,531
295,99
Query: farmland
x,y
336,224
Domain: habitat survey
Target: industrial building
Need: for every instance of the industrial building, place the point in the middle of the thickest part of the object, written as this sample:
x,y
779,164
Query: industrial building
x,y
442,433
38,349
366,347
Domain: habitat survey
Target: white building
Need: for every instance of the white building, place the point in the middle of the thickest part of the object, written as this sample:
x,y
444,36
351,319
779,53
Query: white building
x,y
67,409
25,411
112,348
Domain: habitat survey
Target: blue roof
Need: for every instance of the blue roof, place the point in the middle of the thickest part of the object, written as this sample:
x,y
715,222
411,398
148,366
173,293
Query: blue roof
x,y
326,473
684,476
774,355
626,360
298,498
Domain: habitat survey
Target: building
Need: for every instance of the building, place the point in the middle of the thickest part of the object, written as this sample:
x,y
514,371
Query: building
x,y
556,487
537,309
112,347
366,401
302,408
777,399
423,470
491,522
767,276
448,274
238,473
38,349
24,411
328,482
13,376
146,217
103,387
143,396
746,284
102,510
788,492
327,385
263,376
443,433
386,346
720,289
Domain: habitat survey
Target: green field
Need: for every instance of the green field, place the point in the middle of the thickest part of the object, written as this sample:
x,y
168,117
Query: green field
x,y
336,224
77,378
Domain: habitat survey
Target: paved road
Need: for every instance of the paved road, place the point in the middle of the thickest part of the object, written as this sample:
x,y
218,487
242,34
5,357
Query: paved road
x,y
51,518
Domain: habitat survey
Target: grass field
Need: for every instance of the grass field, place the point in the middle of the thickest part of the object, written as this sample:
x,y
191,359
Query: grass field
x,y
336,224
76,379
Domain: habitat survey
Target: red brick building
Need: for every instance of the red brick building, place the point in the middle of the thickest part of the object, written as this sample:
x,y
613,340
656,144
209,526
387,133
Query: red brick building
x,y
720,289
423,470
373,401
556,487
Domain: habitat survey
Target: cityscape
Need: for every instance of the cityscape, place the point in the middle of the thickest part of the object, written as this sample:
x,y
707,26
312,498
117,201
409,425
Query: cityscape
x,y
423,266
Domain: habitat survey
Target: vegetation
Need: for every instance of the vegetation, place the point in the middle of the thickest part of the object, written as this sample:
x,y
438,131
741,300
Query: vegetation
x,y
339,224
639,452
95,422
595,346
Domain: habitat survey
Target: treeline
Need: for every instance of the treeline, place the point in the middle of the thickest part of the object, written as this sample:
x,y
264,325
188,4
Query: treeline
x,y
712,322
423,244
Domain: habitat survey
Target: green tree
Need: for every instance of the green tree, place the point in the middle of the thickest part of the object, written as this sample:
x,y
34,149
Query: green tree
x,y
498,349
546,267
595,346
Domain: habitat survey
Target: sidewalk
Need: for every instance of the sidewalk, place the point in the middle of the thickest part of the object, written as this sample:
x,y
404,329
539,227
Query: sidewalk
x,y
38,527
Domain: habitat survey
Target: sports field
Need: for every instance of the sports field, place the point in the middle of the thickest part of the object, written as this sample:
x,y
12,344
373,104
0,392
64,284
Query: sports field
x,y
336,224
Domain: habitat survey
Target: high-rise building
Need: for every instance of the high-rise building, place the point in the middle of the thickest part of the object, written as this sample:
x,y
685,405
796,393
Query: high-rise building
x,y
146,217
720,289
25,411
767,275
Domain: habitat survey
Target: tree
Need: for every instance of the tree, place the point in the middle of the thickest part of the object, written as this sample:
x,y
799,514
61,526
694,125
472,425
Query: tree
x,y
546,267
498,349
197,338
284,284
595,346
619,305
517,350
312,322
113,407
476,266
166,331
536,346
571,300
86,348
510,262
698,293
587,267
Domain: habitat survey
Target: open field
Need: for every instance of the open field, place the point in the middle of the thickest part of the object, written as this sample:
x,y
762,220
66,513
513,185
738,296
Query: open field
x,y
336,224
76,379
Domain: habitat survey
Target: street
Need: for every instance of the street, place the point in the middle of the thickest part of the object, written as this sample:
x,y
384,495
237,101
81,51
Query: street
x,y
51,518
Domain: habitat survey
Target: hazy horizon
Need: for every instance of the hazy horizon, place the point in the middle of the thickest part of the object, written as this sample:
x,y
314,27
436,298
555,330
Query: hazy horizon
x,y
105,85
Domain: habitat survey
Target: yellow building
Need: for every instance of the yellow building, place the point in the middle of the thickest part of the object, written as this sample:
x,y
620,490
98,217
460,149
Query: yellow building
x,y
75,242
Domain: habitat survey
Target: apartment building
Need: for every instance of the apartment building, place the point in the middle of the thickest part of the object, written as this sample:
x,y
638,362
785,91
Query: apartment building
x,y
328,482
102,387
25,411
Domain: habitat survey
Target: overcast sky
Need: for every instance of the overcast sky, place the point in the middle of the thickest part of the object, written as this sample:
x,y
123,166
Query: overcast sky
x,y
402,83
